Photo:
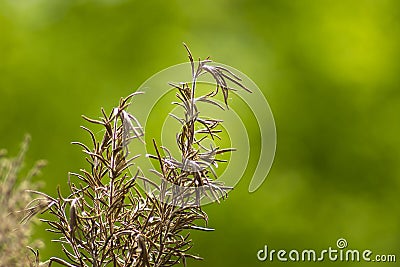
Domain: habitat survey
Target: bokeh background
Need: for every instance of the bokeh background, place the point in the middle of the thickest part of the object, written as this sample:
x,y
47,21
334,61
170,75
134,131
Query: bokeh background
x,y
329,69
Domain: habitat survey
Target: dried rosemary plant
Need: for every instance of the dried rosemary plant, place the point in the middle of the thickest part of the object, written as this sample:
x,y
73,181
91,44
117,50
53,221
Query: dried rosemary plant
x,y
14,235
107,219
185,181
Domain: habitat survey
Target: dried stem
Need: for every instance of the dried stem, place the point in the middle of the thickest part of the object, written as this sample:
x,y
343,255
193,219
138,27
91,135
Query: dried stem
x,y
14,229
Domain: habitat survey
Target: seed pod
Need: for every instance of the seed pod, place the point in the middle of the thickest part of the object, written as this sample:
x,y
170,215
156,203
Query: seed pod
x,y
72,216
142,246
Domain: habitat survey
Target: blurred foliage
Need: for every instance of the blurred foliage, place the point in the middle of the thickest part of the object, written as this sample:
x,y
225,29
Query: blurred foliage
x,y
329,70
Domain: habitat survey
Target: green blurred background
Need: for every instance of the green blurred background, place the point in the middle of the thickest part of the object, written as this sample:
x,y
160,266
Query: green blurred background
x,y
329,69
